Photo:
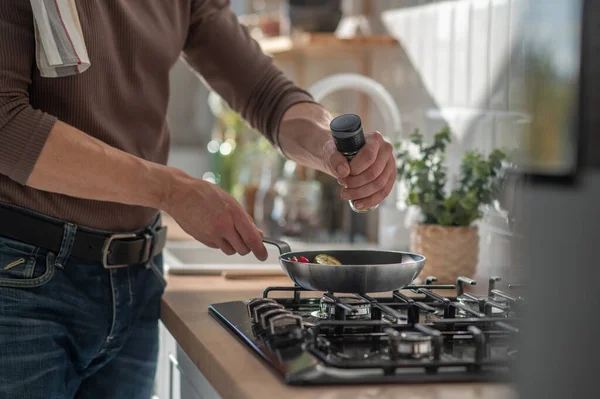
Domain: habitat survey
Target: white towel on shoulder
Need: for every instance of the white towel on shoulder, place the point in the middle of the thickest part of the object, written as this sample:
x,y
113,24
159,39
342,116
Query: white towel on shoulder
x,y
60,45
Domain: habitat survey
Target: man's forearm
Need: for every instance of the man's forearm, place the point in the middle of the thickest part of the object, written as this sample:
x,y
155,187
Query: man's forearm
x,y
76,164
304,130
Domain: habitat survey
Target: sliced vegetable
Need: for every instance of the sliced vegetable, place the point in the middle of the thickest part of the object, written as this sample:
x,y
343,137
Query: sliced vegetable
x,y
324,259
303,259
294,259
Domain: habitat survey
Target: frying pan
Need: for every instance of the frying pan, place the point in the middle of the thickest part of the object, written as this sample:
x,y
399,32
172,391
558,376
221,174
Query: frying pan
x,y
362,271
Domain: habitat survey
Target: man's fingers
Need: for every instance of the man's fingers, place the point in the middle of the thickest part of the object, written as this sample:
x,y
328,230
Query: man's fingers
x,y
226,247
211,244
336,163
252,239
373,187
367,154
237,242
376,198
369,175
255,242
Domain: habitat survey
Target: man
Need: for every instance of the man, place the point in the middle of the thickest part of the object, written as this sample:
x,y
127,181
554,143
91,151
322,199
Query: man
x,y
83,175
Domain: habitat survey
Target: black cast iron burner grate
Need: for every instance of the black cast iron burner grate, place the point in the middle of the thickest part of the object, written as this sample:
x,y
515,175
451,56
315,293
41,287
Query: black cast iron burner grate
x,y
358,338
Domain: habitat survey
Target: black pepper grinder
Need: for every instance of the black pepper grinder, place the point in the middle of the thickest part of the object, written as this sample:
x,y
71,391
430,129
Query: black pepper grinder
x,y
349,138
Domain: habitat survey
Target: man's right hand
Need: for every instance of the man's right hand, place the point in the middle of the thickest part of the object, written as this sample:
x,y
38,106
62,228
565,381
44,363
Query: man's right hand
x,y
213,217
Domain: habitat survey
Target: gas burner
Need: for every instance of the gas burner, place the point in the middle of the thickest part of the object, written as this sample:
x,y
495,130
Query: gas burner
x,y
495,304
488,306
355,308
431,315
414,344
358,351
410,344
468,303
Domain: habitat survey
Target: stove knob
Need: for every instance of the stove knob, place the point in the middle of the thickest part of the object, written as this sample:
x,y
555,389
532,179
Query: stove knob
x,y
266,316
285,323
262,309
250,305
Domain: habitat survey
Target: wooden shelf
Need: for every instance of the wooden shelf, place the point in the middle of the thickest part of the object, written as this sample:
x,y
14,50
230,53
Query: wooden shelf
x,y
283,45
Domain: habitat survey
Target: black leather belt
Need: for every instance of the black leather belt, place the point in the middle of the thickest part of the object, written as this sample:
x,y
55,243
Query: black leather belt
x,y
112,250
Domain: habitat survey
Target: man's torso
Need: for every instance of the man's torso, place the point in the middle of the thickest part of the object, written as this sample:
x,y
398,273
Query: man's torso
x,y
121,99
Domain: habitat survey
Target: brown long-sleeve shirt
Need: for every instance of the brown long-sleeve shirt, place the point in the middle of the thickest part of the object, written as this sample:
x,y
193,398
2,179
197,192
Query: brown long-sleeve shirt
x,y
122,98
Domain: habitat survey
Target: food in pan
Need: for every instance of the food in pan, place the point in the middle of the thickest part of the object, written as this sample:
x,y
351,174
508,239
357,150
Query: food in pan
x,y
300,259
321,259
324,259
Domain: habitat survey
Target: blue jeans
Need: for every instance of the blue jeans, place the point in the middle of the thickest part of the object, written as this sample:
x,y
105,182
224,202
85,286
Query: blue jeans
x,y
73,329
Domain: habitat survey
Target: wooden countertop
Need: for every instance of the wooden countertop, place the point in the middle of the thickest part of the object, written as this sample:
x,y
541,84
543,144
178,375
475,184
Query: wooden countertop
x,y
235,372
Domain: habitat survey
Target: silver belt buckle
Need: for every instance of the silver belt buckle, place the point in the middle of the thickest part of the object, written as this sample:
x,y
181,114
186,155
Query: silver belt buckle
x,y
106,249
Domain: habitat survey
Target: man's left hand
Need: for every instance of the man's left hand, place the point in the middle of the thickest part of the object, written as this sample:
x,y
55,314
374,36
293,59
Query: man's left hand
x,y
369,178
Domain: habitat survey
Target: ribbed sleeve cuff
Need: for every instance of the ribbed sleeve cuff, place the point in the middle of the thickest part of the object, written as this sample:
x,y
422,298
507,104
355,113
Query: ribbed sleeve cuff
x,y
22,140
286,102
269,101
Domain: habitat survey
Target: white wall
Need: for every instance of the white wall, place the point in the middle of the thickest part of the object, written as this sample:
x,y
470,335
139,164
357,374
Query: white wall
x,y
469,57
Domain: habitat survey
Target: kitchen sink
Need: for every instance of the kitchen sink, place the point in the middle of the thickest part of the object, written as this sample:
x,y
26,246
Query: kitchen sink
x,y
196,258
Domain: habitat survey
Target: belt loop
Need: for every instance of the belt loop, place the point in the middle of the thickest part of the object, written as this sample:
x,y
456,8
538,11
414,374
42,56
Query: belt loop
x,y
157,223
66,245
152,233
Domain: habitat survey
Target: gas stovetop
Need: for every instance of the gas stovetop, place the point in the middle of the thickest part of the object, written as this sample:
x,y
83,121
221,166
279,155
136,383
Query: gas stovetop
x,y
414,335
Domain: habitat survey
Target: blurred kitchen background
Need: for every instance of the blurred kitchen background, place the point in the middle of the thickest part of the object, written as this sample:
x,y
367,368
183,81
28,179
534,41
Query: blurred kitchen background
x,y
424,64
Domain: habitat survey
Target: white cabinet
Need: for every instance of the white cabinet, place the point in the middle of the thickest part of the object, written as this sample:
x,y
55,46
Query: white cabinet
x,y
177,377
164,384
192,385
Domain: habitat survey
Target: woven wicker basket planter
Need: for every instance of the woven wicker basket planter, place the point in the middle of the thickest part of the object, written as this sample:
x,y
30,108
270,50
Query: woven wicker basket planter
x,y
450,251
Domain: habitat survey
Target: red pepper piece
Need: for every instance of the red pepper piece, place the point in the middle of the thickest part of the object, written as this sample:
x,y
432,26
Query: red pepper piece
x,y
303,259
294,259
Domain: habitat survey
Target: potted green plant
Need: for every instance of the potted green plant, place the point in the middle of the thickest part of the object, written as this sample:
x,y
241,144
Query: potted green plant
x,y
445,232
239,154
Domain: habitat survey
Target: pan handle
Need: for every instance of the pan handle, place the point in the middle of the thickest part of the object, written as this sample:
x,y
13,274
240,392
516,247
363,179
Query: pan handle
x,y
283,247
